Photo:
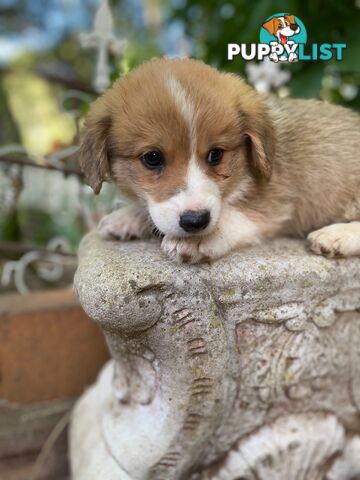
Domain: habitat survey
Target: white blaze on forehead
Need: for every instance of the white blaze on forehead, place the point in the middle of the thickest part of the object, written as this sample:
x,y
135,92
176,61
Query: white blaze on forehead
x,y
200,192
185,106
282,19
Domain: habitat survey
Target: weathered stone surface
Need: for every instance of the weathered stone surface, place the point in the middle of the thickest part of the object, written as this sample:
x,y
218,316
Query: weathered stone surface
x,y
212,361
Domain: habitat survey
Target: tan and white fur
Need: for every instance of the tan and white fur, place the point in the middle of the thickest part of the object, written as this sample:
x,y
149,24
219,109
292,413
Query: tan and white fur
x,y
288,167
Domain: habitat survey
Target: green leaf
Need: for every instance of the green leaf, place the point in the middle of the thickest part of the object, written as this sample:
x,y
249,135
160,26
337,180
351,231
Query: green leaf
x,y
307,82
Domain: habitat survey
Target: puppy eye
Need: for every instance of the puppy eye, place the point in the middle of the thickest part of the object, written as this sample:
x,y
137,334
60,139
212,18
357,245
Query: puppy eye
x,y
214,156
153,160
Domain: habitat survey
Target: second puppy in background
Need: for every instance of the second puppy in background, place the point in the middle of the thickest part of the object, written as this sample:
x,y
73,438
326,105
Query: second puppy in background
x,y
215,166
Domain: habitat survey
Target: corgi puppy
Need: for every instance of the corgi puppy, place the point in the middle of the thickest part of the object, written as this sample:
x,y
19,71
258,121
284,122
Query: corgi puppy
x,y
214,166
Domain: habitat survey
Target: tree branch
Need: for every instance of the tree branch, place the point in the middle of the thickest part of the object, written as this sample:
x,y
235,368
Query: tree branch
x,y
25,162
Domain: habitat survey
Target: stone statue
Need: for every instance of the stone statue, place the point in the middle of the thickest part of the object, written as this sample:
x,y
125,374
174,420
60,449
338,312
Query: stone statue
x,y
247,368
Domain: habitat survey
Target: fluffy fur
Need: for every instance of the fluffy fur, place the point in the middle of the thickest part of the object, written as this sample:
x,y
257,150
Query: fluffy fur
x,y
290,167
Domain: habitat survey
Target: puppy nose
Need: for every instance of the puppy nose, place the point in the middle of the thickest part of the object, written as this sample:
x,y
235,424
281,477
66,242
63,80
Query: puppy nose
x,y
192,221
294,27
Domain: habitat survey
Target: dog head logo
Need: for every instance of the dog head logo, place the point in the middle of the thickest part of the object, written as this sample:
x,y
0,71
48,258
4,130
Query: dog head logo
x,y
283,32
282,27
283,39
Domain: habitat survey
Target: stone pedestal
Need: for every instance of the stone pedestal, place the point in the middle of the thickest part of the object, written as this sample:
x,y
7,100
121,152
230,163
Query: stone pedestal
x,y
248,368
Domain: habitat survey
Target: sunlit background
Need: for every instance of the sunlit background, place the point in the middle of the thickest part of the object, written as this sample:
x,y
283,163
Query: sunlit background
x,y
48,75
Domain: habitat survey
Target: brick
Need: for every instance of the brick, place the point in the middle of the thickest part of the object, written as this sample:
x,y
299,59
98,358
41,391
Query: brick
x,y
49,348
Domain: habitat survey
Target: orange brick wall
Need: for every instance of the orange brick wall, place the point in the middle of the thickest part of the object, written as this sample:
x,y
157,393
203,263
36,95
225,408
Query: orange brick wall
x,y
49,348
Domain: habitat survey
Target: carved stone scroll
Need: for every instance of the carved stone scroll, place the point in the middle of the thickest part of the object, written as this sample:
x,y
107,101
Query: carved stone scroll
x,y
248,368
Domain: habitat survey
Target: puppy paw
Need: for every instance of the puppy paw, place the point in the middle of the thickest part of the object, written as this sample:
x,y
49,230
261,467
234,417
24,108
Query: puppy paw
x,y
338,240
182,250
195,249
125,224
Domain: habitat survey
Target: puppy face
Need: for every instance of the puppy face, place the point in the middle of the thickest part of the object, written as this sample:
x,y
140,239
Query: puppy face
x,y
180,137
282,27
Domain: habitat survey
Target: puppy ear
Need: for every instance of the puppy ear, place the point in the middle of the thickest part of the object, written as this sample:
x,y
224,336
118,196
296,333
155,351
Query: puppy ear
x,y
291,18
94,148
260,143
270,25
